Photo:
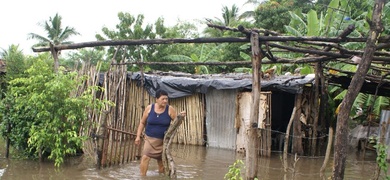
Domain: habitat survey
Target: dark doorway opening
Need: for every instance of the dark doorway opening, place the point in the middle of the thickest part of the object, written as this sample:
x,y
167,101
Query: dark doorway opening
x,y
282,106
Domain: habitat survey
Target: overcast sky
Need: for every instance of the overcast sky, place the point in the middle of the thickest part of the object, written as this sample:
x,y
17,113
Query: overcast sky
x,y
20,17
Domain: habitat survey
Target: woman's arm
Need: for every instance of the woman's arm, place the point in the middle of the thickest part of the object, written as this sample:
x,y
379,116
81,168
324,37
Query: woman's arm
x,y
142,124
173,114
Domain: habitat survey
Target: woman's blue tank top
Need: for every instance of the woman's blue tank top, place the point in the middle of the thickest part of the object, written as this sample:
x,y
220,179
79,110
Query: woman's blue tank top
x,y
157,124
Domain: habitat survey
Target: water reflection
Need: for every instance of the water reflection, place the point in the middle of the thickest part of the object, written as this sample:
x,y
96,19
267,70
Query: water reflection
x,y
193,162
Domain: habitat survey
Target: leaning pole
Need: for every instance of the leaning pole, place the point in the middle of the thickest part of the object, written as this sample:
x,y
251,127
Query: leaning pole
x,y
341,140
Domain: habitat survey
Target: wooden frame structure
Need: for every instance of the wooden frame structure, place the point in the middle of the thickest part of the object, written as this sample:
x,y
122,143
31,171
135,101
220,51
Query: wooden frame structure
x,y
319,50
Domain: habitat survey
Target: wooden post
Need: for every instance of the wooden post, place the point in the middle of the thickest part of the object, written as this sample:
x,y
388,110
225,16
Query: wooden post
x,y
297,147
252,143
100,140
341,140
316,108
323,106
169,164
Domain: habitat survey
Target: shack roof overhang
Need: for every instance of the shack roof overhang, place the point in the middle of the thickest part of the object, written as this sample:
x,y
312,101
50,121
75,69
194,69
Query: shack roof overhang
x,y
369,86
183,84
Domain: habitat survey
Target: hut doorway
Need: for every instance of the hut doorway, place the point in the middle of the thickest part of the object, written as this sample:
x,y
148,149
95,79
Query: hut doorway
x,y
283,105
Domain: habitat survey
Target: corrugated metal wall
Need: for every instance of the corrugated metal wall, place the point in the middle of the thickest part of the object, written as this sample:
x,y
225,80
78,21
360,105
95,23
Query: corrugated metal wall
x,y
385,129
220,118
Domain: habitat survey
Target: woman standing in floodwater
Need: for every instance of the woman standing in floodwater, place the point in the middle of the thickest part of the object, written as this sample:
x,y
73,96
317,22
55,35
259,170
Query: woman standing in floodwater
x,y
155,120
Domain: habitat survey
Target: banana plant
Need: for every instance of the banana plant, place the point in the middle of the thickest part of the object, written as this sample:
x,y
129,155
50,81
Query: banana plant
x,y
364,105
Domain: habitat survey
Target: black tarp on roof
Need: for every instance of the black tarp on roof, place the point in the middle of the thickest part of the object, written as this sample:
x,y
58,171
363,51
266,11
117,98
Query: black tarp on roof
x,y
179,85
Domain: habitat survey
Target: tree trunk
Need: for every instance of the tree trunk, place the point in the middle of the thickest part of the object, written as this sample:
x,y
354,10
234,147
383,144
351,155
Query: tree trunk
x,y
341,141
252,143
54,53
169,164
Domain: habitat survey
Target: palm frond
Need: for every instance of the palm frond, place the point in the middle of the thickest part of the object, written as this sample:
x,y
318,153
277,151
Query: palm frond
x,y
67,33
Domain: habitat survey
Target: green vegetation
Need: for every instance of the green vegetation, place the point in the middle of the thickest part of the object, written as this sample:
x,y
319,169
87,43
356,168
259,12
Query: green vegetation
x,y
40,110
381,161
235,169
234,172
45,112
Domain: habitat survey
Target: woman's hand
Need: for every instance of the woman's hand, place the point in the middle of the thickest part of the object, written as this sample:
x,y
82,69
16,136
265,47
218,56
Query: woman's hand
x,y
183,113
137,140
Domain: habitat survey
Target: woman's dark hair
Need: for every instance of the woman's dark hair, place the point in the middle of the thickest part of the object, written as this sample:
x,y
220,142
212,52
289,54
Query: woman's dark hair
x,y
160,93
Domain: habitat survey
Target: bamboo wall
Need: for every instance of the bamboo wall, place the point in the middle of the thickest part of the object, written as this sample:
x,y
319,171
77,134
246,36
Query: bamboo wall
x,y
190,132
114,131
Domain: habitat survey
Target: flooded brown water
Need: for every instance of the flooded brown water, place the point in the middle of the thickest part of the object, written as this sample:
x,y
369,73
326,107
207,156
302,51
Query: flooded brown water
x,y
193,162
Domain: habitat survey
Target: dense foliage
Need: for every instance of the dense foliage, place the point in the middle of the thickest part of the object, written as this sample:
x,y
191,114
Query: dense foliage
x,y
44,112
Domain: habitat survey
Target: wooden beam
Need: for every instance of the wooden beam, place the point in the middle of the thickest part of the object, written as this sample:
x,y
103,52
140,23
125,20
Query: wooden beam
x,y
133,42
279,60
